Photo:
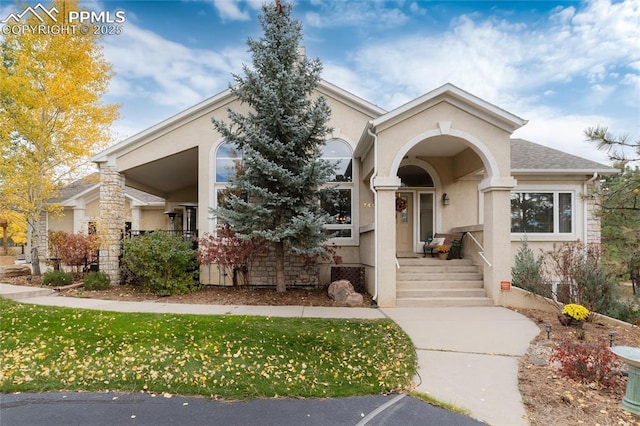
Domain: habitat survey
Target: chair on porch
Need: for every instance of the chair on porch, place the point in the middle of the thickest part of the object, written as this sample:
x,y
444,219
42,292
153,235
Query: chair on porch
x,y
454,240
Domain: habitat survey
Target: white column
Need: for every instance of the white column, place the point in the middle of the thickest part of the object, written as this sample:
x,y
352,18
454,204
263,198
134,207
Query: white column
x,y
497,233
385,229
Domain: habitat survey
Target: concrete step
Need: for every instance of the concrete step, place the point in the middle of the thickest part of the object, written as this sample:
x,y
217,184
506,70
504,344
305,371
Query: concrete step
x,y
438,269
15,292
426,276
433,302
441,292
417,284
432,261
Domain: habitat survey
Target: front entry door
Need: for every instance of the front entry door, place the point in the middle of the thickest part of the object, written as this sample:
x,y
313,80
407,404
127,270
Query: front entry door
x,y
404,222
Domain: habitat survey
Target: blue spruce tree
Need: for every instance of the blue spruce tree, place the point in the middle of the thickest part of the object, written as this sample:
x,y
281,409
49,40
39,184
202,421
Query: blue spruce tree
x,y
275,196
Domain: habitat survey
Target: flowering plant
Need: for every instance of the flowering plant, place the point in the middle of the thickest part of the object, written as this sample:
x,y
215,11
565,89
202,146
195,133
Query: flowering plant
x,y
443,249
575,311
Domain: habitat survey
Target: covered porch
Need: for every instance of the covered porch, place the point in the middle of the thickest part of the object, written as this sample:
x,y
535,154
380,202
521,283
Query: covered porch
x,y
439,164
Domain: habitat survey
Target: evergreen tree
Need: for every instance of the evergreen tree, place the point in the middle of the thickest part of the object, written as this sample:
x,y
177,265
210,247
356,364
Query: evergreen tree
x,y
276,196
527,271
618,197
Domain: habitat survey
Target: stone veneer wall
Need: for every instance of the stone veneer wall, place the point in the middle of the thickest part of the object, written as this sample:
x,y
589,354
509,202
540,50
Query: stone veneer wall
x,y
112,203
262,270
593,222
43,237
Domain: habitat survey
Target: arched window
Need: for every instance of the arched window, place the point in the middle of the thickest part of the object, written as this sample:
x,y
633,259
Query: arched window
x,y
339,153
228,162
339,202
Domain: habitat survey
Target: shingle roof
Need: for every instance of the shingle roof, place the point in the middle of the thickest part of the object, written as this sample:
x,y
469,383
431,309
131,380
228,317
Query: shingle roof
x,y
530,156
88,182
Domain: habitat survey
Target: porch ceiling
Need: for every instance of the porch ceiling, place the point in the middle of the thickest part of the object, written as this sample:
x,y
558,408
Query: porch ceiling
x,y
442,146
166,175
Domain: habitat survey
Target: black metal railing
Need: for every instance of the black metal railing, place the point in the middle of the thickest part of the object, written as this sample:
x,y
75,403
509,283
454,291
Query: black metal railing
x,y
186,235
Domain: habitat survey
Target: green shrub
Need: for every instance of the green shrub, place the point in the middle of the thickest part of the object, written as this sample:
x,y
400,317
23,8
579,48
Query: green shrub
x,y
57,278
163,264
527,271
96,280
624,311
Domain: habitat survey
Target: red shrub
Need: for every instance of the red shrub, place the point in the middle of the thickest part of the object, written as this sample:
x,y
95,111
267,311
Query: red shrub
x,y
588,363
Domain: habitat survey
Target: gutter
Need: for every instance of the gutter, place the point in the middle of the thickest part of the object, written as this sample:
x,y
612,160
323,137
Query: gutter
x,y
374,304
585,222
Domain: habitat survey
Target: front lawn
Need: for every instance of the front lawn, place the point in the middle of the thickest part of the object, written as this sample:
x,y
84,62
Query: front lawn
x,y
233,357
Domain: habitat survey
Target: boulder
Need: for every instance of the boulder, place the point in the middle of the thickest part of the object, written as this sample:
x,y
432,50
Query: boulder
x,y
354,299
10,271
342,291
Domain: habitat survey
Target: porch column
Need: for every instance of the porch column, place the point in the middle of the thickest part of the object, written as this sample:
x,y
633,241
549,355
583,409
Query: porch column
x,y
497,233
111,220
385,228
79,213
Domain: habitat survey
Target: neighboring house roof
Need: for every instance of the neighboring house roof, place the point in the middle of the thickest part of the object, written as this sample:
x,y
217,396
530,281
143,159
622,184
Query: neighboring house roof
x,y
530,157
91,183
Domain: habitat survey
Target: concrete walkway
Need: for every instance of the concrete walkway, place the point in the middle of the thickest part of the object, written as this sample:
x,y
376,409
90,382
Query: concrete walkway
x,y
466,356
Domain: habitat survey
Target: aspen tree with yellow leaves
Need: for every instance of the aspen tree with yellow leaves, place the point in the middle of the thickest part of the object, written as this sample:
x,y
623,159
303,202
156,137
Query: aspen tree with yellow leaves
x,y
52,117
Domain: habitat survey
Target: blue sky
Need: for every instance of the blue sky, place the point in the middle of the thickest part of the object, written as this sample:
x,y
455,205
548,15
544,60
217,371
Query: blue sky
x,y
562,65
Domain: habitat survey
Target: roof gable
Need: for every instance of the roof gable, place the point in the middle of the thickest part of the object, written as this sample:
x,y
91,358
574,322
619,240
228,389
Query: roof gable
x,y
457,97
209,105
88,188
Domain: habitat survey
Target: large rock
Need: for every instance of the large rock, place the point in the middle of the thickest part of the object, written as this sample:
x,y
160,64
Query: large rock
x,y
10,271
342,292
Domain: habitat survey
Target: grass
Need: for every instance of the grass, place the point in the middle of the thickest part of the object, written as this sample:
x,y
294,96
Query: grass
x,y
232,357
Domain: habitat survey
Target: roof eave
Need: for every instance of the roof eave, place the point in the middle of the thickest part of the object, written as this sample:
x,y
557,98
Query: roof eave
x,y
193,111
500,117
565,171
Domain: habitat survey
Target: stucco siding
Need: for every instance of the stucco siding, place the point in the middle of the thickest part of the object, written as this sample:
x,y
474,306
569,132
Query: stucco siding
x,y
495,139
153,219
61,223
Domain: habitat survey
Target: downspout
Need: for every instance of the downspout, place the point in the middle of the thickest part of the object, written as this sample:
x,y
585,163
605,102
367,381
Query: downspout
x,y
585,222
374,302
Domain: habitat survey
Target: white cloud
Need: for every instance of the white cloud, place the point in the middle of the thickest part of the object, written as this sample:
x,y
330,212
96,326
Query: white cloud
x,y
562,131
150,67
354,14
231,9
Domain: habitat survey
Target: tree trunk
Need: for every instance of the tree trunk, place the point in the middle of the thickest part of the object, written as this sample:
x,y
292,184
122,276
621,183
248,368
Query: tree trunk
x,y
281,286
35,262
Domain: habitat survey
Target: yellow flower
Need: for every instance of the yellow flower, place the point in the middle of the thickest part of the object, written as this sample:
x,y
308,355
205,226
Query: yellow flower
x,y
575,311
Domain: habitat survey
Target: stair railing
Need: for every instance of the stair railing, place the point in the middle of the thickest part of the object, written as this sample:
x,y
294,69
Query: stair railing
x,y
481,251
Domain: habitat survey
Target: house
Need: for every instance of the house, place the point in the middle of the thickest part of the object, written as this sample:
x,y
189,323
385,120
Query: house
x,y
448,155
80,202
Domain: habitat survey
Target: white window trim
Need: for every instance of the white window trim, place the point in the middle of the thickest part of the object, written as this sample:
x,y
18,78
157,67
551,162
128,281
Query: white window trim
x,y
576,213
354,240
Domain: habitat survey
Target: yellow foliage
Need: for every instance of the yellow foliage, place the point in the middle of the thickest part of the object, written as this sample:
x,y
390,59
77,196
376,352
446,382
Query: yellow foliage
x,y
52,118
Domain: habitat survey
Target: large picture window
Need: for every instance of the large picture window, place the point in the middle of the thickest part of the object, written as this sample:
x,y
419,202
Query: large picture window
x,y
543,212
338,203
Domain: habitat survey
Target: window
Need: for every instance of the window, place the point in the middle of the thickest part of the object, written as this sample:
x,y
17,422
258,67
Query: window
x,y
228,162
338,202
339,153
542,212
